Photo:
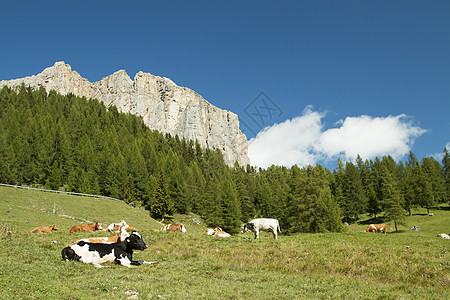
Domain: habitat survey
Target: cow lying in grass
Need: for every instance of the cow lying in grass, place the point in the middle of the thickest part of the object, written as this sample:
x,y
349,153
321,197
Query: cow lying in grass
x,y
45,229
119,237
116,227
96,254
172,227
444,236
377,228
86,227
218,232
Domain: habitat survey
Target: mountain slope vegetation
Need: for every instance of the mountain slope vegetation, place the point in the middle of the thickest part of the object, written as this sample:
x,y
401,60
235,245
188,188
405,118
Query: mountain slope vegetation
x,y
77,144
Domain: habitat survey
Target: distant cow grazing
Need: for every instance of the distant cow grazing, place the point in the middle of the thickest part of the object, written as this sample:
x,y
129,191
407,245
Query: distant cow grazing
x,y
263,224
96,254
86,227
115,227
47,229
377,228
174,227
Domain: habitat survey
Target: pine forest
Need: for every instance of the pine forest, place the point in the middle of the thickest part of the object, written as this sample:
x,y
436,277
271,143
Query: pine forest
x,y
77,144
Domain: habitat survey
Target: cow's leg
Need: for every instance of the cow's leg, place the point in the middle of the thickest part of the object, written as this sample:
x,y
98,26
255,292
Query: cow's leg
x,y
126,260
256,234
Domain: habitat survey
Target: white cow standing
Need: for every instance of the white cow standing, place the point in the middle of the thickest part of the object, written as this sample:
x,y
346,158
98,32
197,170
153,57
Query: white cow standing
x,y
262,224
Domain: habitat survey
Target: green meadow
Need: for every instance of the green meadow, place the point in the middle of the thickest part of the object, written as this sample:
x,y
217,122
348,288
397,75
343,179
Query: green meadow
x,y
349,265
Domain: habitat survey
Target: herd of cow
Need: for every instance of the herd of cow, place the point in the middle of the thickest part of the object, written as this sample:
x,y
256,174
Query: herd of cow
x,y
97,250
119,248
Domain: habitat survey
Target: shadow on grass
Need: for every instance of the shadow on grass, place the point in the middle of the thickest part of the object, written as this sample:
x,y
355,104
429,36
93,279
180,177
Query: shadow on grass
x,y
396,232
443,207
377,220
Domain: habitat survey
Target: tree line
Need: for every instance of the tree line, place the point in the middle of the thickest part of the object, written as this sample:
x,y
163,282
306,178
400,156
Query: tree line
x,y
77,144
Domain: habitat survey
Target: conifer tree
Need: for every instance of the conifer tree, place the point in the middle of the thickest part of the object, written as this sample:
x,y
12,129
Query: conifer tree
x,y
356,201
391,198
161,205
425,197
54,180
412,177
446,166
434,172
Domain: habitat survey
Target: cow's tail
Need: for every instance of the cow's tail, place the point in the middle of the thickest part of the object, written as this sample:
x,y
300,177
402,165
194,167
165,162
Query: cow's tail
x,y
279,228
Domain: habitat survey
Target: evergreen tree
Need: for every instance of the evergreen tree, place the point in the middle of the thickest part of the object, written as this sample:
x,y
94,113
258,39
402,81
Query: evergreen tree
x,y
312,208
338,191
244,185
161,206
412,181
356,201
373,204
446,166
425,197
391,198
434,172
195,188
54,180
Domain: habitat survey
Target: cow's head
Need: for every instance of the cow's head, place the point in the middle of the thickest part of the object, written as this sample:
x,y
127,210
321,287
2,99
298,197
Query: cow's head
x,y
97,226
247,227
136,242
53,227
123,233
371,228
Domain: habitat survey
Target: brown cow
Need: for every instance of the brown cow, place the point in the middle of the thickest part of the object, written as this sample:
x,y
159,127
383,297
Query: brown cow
x,y
119,237
174,227
86,227
45,229
377,228
116,227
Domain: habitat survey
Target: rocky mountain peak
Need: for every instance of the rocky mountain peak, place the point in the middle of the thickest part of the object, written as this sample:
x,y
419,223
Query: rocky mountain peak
x,y
164,106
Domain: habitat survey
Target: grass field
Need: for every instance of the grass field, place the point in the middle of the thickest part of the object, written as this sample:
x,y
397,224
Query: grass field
x,y
350,265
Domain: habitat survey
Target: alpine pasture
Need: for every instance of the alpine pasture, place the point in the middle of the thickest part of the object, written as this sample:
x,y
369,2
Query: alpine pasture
x,y
350,265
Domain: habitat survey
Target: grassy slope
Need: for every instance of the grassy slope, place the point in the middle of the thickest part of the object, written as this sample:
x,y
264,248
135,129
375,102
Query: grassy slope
x,y
350,265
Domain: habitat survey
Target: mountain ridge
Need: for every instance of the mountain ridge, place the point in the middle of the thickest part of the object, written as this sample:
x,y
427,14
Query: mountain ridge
x,y
163,105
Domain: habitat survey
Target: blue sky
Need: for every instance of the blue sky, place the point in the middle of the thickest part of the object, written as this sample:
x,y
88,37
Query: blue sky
x,y
320,76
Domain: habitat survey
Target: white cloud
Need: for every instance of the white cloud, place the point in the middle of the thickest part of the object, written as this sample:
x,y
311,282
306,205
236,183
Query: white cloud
x,y
287,143
439,156
303,140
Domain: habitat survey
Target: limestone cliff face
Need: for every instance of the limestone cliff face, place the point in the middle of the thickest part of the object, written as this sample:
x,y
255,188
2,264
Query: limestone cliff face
x,y
163,105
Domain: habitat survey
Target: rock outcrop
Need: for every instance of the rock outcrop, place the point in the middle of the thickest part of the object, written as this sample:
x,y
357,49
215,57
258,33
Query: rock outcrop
x,y
163,105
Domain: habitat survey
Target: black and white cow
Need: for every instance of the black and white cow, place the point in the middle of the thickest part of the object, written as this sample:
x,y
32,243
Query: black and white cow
x,y
96,254
263,224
